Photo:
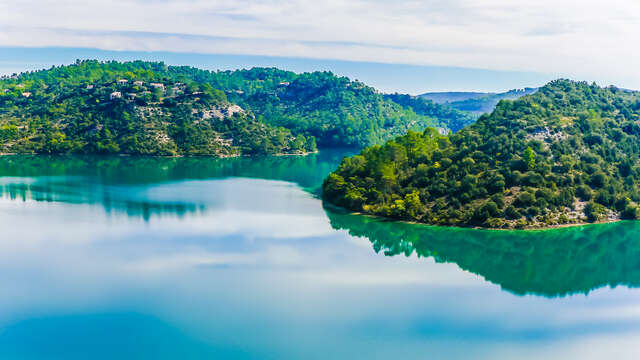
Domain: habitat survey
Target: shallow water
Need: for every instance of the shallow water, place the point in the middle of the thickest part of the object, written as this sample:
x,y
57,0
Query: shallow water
x,y
148,258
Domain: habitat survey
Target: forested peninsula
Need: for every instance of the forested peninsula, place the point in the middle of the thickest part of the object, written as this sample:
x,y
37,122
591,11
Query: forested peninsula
x,y
567,154
149,108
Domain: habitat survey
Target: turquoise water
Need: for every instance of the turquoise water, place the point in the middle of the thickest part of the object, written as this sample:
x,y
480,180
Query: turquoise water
x,y
148,258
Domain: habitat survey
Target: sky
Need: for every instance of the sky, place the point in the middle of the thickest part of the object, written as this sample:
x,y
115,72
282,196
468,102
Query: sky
x,y
531,41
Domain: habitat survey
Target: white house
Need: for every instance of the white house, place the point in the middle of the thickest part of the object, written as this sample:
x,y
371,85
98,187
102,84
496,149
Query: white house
x,y
138,83
115,95
131,96
26,94
157,85
122,81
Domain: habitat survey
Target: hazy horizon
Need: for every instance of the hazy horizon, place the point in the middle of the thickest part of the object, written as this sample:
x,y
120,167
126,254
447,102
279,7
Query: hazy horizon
x,y
584,40
389,78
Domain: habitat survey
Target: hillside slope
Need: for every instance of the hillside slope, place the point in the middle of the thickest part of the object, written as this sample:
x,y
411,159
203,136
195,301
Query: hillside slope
x,y
150,108
448,117
564,155
130,108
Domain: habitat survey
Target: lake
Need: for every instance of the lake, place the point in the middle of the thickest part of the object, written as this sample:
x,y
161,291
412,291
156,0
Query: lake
x,y
194,258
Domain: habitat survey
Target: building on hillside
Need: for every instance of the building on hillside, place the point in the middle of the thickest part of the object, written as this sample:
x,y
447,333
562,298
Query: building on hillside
x,y
157,85
122,81
138,83
26,94
284,84
89,87
115,95
131,96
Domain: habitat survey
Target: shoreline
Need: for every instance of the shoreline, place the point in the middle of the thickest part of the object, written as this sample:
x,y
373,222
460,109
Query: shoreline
x,y
546,228
223,156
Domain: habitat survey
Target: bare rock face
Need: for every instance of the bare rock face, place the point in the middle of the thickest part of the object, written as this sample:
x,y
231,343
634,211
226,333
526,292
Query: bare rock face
x,y
221,112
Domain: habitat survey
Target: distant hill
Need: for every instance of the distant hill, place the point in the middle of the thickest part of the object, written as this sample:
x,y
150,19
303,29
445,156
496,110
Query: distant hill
x,y
149,108
475,103
452,96
448,117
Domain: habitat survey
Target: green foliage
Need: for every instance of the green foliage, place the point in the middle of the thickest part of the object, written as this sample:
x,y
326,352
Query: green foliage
x,y
540,152
594,211
447,117
530,158
136,107
151,108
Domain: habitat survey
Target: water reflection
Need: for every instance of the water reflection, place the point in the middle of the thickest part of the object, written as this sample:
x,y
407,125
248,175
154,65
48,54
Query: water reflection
x,y
126,184
253,269
306,171
551,263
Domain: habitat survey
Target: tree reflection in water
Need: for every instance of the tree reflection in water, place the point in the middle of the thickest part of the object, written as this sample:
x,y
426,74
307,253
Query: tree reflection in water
x,y
551,263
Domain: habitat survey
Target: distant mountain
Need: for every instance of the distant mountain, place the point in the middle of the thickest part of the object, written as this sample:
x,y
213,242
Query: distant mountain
x,y
475,103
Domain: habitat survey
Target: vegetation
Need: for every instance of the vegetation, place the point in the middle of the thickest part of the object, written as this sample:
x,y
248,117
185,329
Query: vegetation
x,y
449,118
566,154
473,103
150,108
130,108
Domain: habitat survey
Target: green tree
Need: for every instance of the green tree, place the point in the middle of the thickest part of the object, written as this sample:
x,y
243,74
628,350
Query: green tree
x,y
530,158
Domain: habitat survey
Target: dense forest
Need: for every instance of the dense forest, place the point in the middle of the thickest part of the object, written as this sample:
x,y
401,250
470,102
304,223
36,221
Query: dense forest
x,y
151,108
566,154
130,108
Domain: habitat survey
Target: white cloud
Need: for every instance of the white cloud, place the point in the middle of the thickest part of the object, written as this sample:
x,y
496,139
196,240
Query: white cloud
x,y
586,39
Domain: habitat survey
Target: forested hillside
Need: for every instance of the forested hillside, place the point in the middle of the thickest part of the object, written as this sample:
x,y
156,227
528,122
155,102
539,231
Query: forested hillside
x,y
334,110
475,104
151,108
131,108
566,154
451,119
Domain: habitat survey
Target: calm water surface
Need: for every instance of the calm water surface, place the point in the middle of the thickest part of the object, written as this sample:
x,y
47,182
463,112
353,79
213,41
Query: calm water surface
x,y
143,258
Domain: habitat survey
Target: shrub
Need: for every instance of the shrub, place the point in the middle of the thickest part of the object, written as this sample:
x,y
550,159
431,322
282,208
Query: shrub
x,y
598,179
525,199
594,211
512,213
631,212
583,192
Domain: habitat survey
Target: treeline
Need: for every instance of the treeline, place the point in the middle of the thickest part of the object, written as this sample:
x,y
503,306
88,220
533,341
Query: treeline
x,y
566,154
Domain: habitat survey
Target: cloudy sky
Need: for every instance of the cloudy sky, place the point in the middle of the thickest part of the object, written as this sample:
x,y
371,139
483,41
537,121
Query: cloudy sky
x,y
582,39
